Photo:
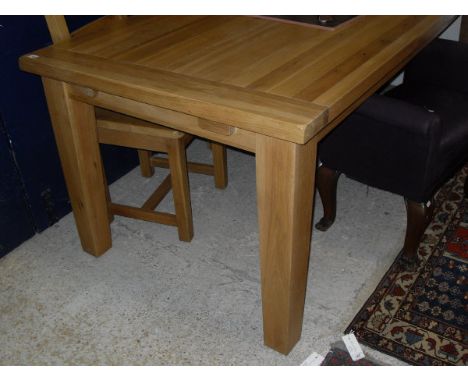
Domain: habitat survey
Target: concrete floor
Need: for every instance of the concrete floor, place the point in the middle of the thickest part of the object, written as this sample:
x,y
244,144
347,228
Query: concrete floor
x,y
153,300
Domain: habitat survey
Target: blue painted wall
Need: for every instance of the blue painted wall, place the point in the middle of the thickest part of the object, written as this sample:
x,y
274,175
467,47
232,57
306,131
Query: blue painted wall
x,y
32,189
15,221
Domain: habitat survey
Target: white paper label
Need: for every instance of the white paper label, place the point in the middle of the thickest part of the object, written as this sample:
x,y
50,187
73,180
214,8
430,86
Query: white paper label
x,y
354,349
313,360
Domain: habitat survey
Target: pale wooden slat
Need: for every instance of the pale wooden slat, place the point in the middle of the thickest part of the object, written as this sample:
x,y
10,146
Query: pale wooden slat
x,y
181,32
386,62
319,46
345,63
138,213
123,43
274,55
114,136
144,156
106,32
204,45
218,128
281,117
180,189
240,54
198,168
125,123
329,61
58,28
158,195
219,165
242,139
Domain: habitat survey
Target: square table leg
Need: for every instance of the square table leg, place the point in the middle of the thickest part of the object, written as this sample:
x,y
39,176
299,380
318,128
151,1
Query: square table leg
x,y
285,187
75,132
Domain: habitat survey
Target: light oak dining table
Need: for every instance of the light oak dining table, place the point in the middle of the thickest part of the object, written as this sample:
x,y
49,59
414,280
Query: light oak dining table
x,y
269,87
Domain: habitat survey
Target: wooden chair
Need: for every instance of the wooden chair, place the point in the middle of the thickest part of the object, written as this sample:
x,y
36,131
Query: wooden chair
x,y
122,130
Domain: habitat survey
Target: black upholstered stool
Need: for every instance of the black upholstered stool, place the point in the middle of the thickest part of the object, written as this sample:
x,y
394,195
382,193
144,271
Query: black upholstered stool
x,y
408,141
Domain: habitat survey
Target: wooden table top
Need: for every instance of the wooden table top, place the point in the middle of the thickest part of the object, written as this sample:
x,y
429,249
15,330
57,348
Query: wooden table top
x,y
279,79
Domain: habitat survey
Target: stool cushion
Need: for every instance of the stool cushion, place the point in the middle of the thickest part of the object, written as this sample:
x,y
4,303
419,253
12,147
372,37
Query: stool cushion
x,y
408,142
450,105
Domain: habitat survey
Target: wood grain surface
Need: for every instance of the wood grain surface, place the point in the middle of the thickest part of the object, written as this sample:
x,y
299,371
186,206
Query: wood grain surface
x,y
265,76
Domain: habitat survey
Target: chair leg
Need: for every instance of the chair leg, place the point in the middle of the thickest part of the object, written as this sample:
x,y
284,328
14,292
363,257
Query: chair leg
x,y
180,189
327,180
145,163
108,196
418,216
220,165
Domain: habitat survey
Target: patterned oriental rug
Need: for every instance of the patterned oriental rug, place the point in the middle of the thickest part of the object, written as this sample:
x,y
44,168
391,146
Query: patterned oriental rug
x,y
340,357
421,316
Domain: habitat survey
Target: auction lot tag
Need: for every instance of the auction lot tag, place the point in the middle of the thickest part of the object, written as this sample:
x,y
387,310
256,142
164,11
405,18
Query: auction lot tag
x,y
354,349
313,360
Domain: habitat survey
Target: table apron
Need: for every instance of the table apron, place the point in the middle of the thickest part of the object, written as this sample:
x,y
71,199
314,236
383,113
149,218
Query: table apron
x,y
214,131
